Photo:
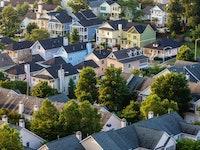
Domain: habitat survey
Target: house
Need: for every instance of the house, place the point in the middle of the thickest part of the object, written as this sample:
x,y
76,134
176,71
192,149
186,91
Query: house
x,y
159,15
28,138
110,9
100,58
155,133
30,17
147,13
19,51
127,59
59,23
71,142
5,61
88,63
94,5
125,34
86,22
22,104
161,1
162,49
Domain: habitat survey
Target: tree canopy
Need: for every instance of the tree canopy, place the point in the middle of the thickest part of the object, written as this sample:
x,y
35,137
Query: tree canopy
x,y
86,88
45,122
10,138
77,5
187,144
71,89
9,21
74,36
157,105
31,27
42,90
185,53
113,91
37,34
173,86
22,9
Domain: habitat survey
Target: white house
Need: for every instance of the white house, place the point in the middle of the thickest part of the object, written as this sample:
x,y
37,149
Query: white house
x,y
161,1
159,15
110,9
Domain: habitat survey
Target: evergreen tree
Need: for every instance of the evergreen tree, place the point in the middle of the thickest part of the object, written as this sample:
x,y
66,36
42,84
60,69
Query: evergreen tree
x,y
71,89
74,36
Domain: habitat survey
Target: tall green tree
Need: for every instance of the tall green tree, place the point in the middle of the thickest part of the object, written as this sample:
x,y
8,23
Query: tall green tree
x,y
74,36
13,117
188,144
31,27
2,76
113,90
71,89
86,88
37,34
158,106
10,139
45,122
131,112
185,53
196,33
42,90
9,21
173,86
77,5
22,9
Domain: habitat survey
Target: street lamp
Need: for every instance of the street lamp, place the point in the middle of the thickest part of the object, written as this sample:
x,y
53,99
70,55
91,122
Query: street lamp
x,y
196,41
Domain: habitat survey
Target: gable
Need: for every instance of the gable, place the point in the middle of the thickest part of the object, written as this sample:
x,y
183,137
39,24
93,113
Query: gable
x,y
133,30
44,72
106,25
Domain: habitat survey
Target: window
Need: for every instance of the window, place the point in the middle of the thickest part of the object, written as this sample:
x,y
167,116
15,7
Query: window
x,y
103,8
129,65
27,144
38,46
102,62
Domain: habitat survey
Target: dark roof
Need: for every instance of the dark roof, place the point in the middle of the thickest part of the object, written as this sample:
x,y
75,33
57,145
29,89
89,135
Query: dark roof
x,y
163,43
20,45
135,82
55,61
88,18
62,98
68,142
110,2
51,43
86,63
6,40
71,48
62,16
31,15
5,60
49,7
135,58
101,54
95,3
18,69
194,70
37,58
15,2
123,54
147,10
161,6
68,68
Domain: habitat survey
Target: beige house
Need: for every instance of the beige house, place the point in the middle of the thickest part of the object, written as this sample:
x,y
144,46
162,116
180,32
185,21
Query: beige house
x,y
127,60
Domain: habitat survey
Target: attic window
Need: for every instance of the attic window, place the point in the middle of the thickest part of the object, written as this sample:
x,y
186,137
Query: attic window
x,y
108,125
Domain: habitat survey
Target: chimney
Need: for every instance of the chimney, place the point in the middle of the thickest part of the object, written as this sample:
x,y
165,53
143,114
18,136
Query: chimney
x,y
35,108
119,26
21,107
2,4
22,123
79,135
5,119
150,114
187,77
65,41
28,75
61,77
40,7
89,48
123,123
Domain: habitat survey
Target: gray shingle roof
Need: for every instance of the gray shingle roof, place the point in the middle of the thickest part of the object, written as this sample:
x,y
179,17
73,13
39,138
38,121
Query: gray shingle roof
x,y
135,82
62,98
62,16
68,142
101,54
75,47
87,63
51,43
20,45
5,60
55,61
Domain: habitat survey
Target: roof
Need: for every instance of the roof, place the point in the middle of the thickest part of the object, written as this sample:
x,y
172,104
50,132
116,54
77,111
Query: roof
x,y
139,57
101,54
161,6
86,63
95,3
110,2
162,44
6,40
51,43
147,10
31,15
71,48
5,60
194,70
55,61
62,98
49,7
20,45
69,142
135,82
10,100
15,2
88,18
18,69
62,16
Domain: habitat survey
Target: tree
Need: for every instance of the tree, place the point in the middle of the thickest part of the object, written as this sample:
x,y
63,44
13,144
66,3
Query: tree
x,y
196,33
71,89
10,138
22,9
14,85
37,34
77,5
12,116
74,36
79,117
113,90
131,112
2,76
9,21
45,122
158,106
173,86
86,88
42,90
185,53
31,27
188,144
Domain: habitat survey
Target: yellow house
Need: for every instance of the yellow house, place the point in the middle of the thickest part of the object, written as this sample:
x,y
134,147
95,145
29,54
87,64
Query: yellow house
x,y
126,34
